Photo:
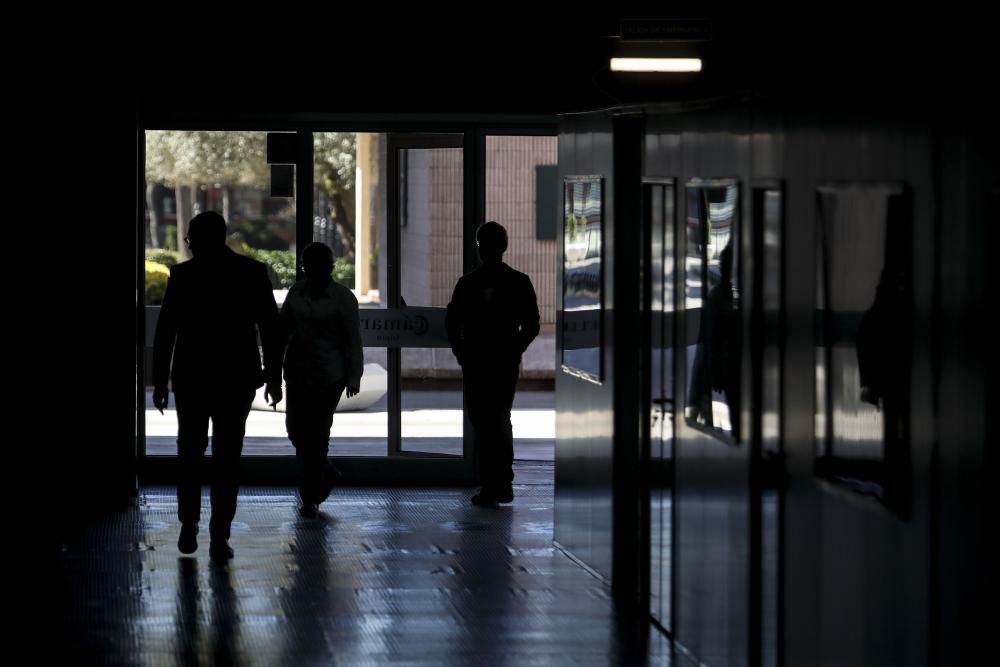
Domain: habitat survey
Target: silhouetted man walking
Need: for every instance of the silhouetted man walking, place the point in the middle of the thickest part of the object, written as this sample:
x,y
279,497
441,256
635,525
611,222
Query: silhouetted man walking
x,y
491,320
214,305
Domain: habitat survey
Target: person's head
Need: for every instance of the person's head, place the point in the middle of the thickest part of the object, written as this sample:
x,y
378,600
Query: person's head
x,y
491,241
206,233
317,262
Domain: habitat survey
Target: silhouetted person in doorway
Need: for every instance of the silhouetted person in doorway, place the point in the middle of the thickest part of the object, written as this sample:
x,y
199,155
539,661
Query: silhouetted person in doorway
x,y
724,339
884,343
881,342
213,308
717,359
323,357
491,320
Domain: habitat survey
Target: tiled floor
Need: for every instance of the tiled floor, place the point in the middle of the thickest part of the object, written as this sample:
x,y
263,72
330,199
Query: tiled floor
x,y
400,576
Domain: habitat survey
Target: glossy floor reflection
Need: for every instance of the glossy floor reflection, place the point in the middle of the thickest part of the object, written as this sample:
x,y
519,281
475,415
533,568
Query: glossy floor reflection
x,y
398,576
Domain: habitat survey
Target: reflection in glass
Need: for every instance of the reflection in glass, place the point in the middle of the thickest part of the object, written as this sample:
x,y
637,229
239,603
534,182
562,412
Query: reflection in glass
x,y
863,311
712,305
582,275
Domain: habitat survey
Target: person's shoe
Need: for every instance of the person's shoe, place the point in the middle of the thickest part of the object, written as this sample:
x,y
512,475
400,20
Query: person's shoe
x,y
484,499
187,543
506,495
220,551
309,511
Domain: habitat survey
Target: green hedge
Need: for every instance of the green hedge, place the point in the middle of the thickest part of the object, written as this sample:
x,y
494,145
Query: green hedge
x,y
343,272
156,282
280,265
167,258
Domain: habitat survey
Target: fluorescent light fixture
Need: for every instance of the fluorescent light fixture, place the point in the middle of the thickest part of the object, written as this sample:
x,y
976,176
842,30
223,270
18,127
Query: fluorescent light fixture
x,y
656,64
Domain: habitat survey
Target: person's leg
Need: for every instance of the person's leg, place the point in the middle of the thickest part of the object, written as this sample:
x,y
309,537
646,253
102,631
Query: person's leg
x,y
477,401
504,465
229,420
476,407
496,420
192,441
300,415
330,398
309,417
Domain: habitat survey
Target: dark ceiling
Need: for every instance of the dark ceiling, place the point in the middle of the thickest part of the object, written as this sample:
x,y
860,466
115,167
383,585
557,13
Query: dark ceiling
x,y
516,64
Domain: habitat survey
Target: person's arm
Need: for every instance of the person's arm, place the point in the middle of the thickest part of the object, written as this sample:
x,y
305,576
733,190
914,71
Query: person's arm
x,y
529,320
272,337
354,352
453,322
163,344
285,318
